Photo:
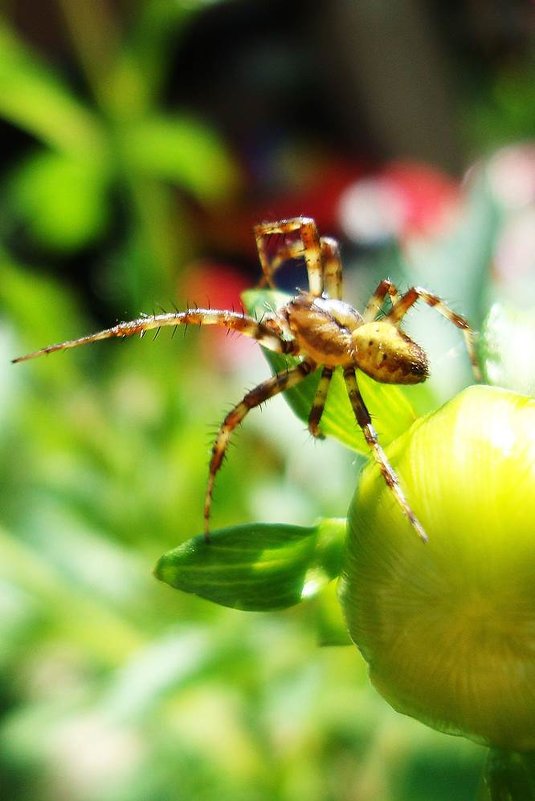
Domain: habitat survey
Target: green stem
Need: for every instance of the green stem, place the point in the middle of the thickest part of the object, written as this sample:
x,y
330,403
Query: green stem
x,y
508,776
94,33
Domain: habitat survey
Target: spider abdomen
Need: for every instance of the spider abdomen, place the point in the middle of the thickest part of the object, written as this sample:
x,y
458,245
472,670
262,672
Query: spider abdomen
x,y
322,328
387,354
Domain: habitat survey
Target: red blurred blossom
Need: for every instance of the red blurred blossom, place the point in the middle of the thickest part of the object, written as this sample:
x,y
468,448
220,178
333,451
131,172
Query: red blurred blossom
x,y
402,200
399,200
315,194
511,173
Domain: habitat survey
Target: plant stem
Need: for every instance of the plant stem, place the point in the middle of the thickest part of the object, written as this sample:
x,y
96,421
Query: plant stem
x,y
94,32
508,776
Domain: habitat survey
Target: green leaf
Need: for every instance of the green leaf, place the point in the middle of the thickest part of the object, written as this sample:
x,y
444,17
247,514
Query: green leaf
x,y
257,567
508,335
61,199
455,265
391,411
184,151
33,98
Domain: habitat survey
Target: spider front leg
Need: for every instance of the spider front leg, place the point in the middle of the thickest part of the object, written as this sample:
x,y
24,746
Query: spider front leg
x,y
364,420
267,389
268,332
308,247
415,293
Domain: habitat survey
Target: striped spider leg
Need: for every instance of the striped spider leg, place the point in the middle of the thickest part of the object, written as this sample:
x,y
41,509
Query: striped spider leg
x,y
322,330
324,270
333,334
321,255
267,332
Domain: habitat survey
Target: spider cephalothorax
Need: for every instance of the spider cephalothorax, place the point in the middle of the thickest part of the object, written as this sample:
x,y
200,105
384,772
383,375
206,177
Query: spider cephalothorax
x,y
322,330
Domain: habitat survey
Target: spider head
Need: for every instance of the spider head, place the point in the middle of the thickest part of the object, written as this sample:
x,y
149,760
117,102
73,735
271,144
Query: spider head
x,y
388,354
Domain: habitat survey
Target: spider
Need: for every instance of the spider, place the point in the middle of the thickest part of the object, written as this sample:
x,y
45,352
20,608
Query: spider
x,y
322,330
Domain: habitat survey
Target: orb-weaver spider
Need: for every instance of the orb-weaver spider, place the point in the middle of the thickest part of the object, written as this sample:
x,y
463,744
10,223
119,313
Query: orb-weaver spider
x,y
320,328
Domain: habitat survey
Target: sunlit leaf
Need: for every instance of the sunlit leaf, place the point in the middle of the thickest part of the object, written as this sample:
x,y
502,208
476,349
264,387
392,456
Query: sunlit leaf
x,y
455,265
391,411
507,336
257,567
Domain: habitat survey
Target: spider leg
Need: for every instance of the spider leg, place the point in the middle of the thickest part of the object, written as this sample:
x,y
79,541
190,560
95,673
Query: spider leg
x,y
318,404
267,389
268,332
284,253
401,307
310,242
375,303
332,267
363,419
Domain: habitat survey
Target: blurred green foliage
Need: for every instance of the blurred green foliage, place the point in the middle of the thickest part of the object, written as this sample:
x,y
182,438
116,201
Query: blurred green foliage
x,y
112,686
104,461
117,146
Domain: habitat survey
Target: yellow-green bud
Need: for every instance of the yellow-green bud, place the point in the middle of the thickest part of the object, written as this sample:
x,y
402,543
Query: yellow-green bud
x,y
448,627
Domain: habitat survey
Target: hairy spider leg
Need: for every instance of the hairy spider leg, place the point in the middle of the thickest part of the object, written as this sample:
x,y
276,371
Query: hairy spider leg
x,y
311,248
375,303
267,331
286,252
267,389
364,420
318,404
330,259
332,268
415,293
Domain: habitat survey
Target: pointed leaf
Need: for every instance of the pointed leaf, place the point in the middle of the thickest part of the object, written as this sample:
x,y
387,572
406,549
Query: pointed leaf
x,y
33,98
257,567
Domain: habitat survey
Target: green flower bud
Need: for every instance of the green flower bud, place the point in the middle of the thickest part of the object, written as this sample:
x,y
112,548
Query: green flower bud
x,y
448,627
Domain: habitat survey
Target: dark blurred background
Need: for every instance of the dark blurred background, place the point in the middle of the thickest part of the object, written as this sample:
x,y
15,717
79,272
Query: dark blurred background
x,y
302,99
140,143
